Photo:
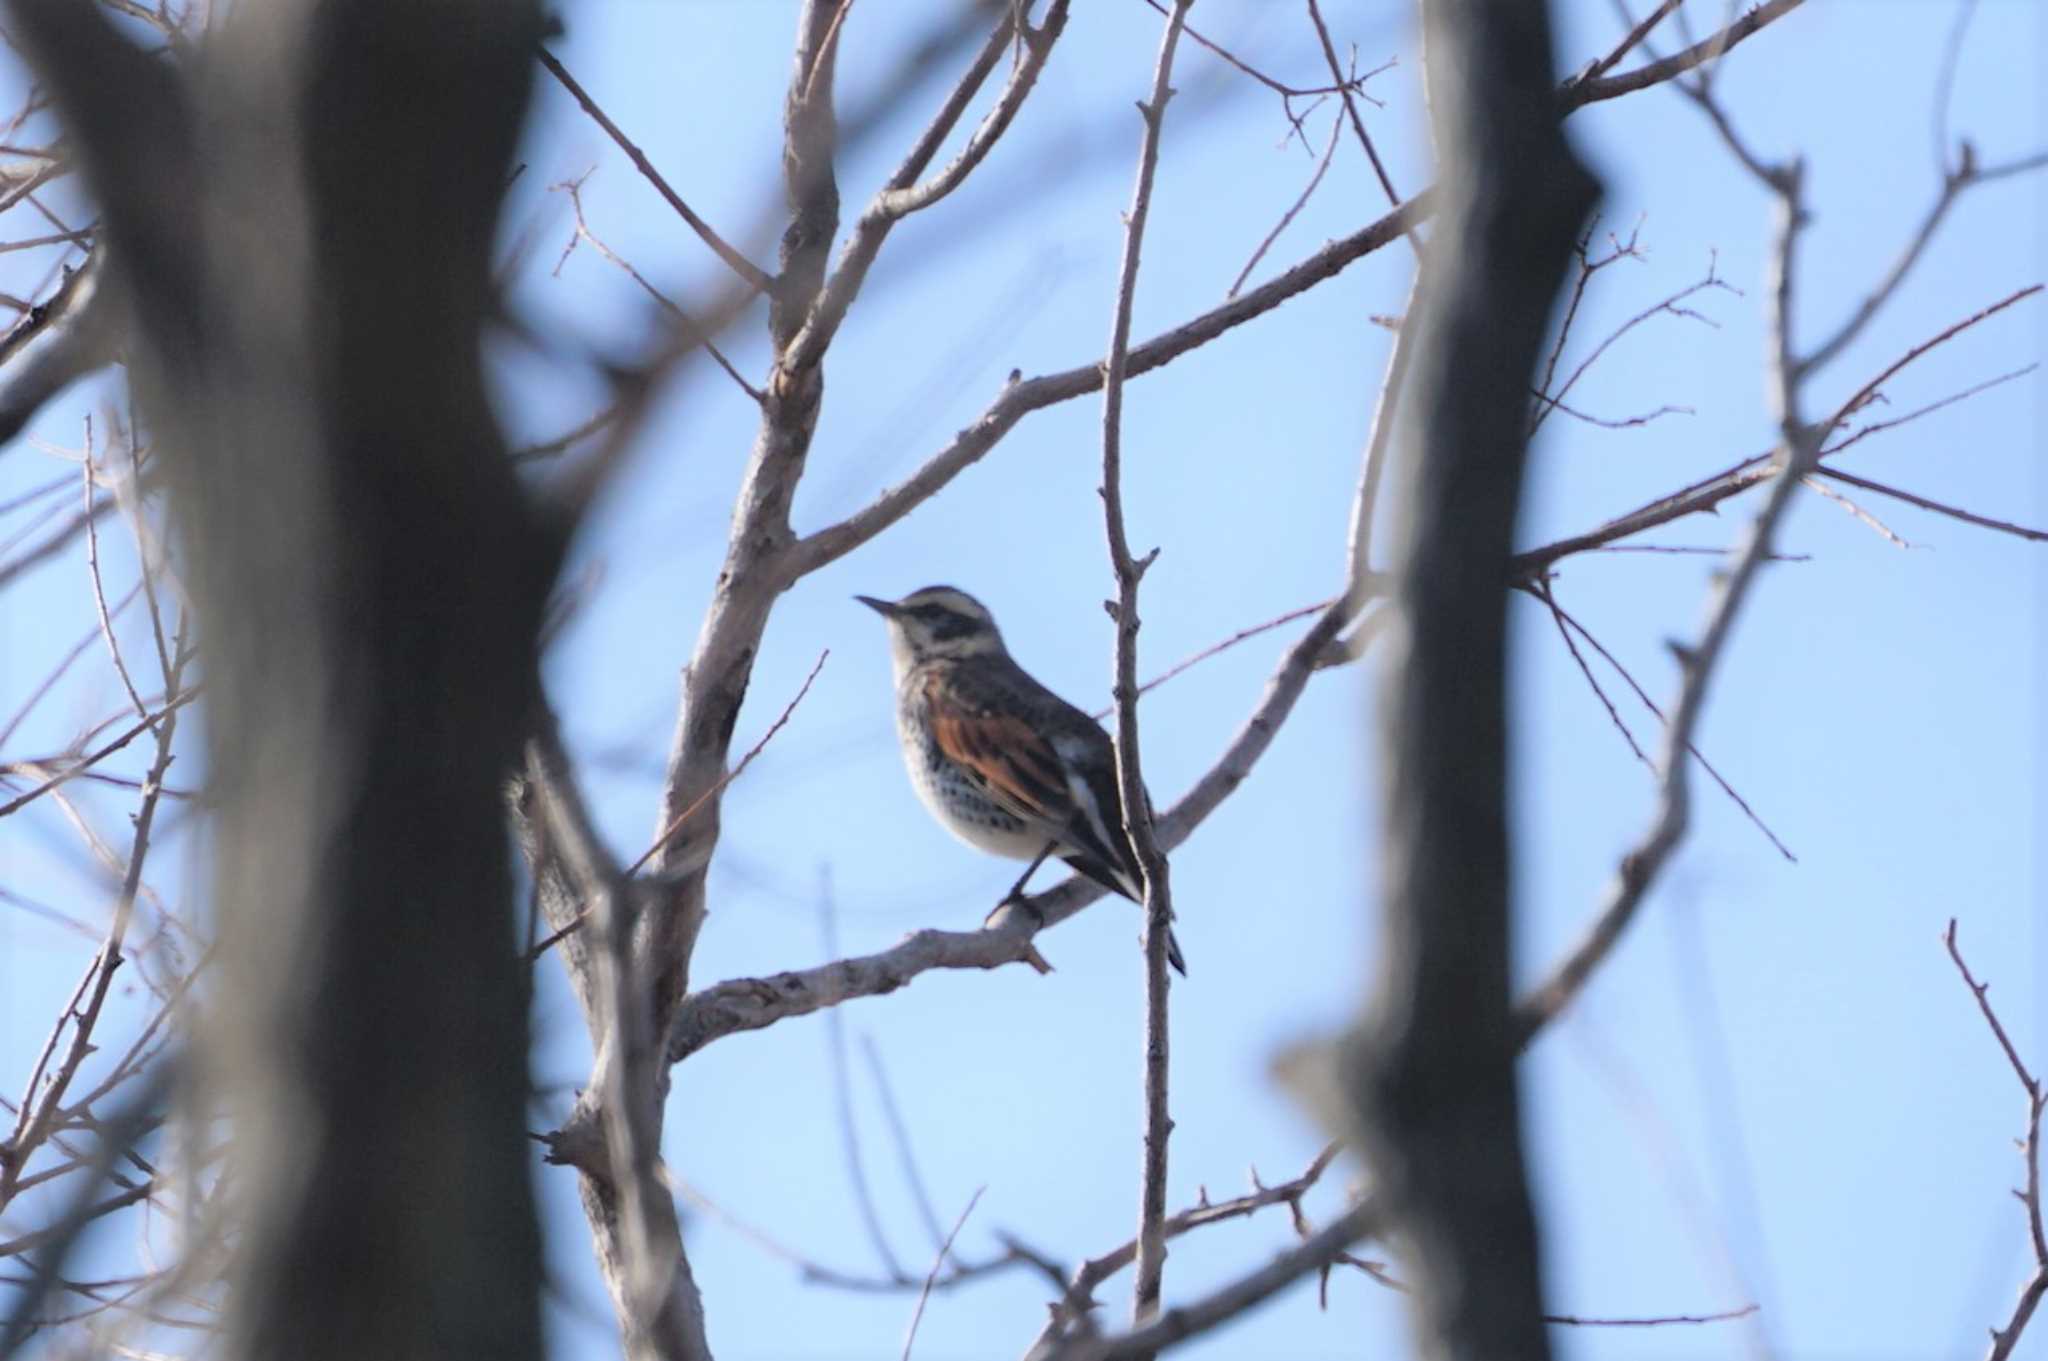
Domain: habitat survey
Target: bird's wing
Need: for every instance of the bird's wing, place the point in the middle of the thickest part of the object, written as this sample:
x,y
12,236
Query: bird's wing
x,y
1058,775
1006,756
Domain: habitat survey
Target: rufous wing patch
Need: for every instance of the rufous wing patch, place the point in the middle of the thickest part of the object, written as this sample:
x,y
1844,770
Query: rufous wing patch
x,y
1004,755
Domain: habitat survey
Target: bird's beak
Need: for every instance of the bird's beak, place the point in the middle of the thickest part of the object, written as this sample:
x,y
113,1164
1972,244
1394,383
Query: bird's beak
x,y
886,608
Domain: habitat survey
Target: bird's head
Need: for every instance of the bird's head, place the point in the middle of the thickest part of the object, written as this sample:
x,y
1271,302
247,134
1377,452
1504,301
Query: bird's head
x,y
936,622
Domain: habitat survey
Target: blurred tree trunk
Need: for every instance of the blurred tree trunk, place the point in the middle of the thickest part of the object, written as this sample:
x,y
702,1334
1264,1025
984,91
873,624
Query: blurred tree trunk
x,y
302,227
1433,1067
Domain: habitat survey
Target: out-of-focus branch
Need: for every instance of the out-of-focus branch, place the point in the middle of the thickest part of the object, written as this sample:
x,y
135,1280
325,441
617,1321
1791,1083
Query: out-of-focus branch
x,y
1137,805
660,1312
1954,185
86,762
366,631
938,1264
59,341
1015,1254
43,1105
1429,1075
1630,40
54,1242
842,1104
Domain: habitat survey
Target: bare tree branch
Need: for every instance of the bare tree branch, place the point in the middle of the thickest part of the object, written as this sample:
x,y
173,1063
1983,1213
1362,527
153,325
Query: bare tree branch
x,y
746,269
1079,1295
2003,1340
60,340
1579,92
1255,1287
1939,508
1137,804
904,195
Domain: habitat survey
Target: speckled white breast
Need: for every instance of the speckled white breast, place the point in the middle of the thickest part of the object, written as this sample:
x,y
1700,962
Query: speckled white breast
x,y
959,804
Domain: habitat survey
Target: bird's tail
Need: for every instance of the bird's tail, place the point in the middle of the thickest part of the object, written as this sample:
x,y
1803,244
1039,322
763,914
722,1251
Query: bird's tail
x,y
1119,880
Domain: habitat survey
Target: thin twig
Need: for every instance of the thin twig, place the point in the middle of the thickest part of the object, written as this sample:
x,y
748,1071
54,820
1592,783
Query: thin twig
x,y
1588,267
906,193
1372,154
1710,492
2003,1340
1078,1297
1546,400
676,825
1878,427
568,439
1286,92
1653,1321
939,1261
1631,39
87,762
781,719
1322,168
739,264
1137,809
1542,593
40,1110
1799,454
63,665
99,593
691,326
1229,1300
1651,705
1945,83
1578,92
1939,508
814,1272
1854,511
1242,635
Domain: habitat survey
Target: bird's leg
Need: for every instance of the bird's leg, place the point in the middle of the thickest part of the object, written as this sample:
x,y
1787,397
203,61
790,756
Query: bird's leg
x,y
1015,897
1016,892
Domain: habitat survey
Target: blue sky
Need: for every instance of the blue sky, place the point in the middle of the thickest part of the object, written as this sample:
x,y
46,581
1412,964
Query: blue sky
x,y
1776,1090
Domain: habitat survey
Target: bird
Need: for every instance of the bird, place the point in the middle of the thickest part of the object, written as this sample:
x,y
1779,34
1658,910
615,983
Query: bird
x,y
1003,763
